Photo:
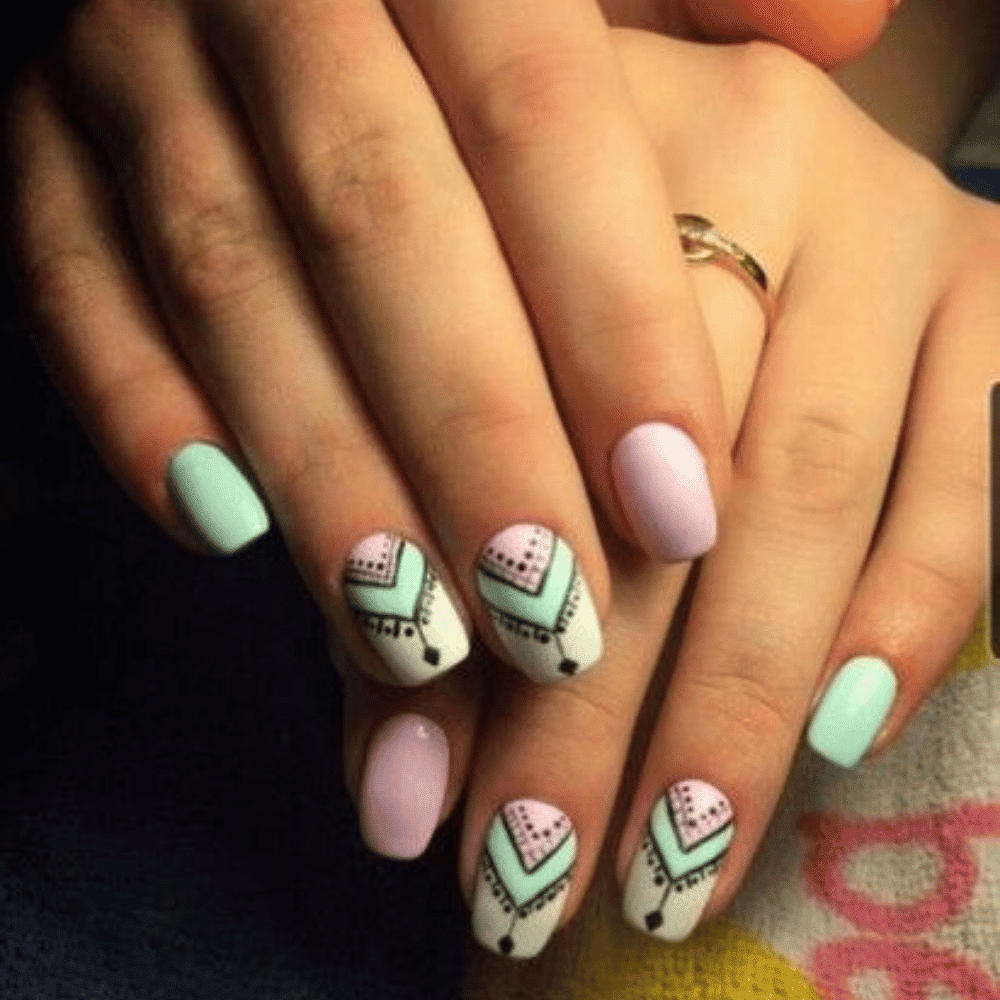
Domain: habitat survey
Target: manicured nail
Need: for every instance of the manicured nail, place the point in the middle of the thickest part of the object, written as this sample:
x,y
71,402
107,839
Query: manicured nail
x,y
539,602
215,497
403,608
663,486
675,869
523,876
852,710
403,786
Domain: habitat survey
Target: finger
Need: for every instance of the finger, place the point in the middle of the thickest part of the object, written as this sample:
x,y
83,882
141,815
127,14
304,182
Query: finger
x,y
547,767
406,754
925,580
406,259
243,314
104,341
811,469
826,34
576,193
535,758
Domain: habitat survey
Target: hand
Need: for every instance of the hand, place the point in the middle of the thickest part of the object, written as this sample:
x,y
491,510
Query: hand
x,y
276,191
307,186
855,527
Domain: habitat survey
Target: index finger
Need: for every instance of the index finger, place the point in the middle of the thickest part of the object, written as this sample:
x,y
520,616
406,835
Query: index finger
x,y
537,101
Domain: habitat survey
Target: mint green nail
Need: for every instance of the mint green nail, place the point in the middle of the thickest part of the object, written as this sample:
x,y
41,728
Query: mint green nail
x,y
853,710
216,497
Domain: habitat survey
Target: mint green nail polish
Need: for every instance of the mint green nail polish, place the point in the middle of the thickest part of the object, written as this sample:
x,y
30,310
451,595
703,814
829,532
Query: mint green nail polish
x,y
216,497
853,710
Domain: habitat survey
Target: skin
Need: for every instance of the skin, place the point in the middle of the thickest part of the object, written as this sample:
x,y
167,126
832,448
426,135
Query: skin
x,y
162,347
812,464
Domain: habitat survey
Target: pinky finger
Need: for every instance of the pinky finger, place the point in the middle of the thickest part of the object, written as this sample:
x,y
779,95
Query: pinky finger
x,y
916,599
104,342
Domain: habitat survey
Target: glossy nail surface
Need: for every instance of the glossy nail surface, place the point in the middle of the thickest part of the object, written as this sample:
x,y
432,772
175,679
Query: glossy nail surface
x,y
663,486
403,608
404,786
216,498
852,711
540,604
523,876
673,872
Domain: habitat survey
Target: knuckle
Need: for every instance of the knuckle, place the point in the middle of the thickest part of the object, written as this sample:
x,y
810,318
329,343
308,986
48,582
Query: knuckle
x,y
933,582
745,705
58,284
484,425
582,714
115,401
769,76
99,35
482,419
360,195
212,245
308,467
530,96
815,464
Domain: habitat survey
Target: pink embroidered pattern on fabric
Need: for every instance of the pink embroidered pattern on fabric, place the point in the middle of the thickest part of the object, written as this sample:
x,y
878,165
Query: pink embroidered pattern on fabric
x,y
948,833
913,968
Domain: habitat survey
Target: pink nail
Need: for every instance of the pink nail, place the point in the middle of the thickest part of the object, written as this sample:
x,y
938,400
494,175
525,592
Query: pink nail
x,y
663,486
403,787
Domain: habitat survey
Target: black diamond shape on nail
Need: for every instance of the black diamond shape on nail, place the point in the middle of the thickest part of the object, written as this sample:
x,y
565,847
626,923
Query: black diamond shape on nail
x,y
432,656
569,667
506,944
653,920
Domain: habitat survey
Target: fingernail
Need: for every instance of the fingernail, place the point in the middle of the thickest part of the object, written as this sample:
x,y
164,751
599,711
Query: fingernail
x,y
524,873
403,786
663,486
673,872
539,602
403,608
215,497
852,710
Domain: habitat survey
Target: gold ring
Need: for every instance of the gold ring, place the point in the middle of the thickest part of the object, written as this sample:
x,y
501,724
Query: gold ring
x,y
702,243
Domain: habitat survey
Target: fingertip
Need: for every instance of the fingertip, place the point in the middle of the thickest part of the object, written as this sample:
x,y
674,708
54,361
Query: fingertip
x,y
853,710
662,483
215,497
827,34
403,787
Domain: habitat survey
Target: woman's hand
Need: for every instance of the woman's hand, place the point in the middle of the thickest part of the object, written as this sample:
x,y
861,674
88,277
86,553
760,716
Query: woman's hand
x,y
850,561
114,343
265,200
318,245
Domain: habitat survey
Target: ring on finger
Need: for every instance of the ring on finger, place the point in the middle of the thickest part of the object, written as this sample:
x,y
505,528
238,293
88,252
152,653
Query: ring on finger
x,y
702,243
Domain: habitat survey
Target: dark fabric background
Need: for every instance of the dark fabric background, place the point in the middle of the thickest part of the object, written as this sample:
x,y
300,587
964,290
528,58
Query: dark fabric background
x,y
172,819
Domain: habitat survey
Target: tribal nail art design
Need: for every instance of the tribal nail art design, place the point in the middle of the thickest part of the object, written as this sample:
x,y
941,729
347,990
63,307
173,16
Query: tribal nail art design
x,y
539,602
401,604
673,872
523,876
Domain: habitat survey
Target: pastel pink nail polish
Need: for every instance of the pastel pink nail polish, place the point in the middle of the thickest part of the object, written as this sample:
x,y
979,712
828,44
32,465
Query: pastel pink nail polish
x,y
403,786
663,486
